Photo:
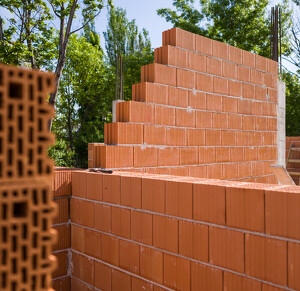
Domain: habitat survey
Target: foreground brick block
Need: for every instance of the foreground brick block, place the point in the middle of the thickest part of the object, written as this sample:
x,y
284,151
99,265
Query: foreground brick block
x,y
157,73
235,282
293,265
141,227
180,38
150,92
103,276
131,111
130,256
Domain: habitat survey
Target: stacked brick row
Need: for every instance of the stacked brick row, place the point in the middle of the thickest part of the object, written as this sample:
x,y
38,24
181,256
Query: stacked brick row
x,y
61,191
203,109
293,167
26,207
133,231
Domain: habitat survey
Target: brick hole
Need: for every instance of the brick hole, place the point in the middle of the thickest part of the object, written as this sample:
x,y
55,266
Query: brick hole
x,y
34,262
20,168
33,280
48,170
4,257
11,73
34,240
30,76
4,234
30,92
1,100
14,266
20,123
40,170
49,82
1,141
20,146
24,275
30,156
21,107
4,194
34,197
4,211
43,138
10,134
1,78
29,173
9,173
15,90
35,219
44,224
45,198
10,157
10,112
1,127
14,244
20,209
24,231
31,134
40,150
24,253
40,99
21,74
25,192
43,280
31,113
14,227
43,252
40,84
40,125
3,276
15,193
14,284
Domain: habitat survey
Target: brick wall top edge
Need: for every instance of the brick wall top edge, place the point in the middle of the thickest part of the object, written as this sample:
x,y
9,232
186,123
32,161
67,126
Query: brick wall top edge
x,y
293,138
176,35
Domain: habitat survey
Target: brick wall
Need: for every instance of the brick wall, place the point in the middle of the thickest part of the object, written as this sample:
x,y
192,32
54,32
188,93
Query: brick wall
x,y
203,109
294,140
134,231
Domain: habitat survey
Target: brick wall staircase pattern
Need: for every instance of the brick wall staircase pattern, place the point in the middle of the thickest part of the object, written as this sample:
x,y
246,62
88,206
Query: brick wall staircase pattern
x,y
203,109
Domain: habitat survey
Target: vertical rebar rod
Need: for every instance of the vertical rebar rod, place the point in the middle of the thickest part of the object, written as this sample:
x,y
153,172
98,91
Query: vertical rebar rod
x,y
280,40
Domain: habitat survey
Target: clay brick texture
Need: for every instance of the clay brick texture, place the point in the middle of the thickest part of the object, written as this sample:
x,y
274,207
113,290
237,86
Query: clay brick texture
x,y
293,167
160,232
26,208
200,94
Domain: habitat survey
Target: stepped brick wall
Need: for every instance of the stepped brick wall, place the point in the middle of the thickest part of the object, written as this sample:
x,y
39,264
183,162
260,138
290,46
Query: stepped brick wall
x,y
203,109
26,207
295,140
138,231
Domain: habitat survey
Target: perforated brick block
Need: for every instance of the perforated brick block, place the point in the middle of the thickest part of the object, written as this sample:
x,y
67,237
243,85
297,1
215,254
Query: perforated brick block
x,y
24,117
26,236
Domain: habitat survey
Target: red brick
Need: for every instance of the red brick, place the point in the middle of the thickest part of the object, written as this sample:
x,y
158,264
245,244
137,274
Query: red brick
x,y
206,278
153,195
165,233
222,154
245,209
154,135
94,186
157,73
197,171
170,55
229,171
203,119
228,138
226,248
203,45
150,92
179,171
293,215
214,66
235,54
78,238
120,219
261,123
234,88
179,199
244,170
248,91
131,111
213,137
240,283
236,154
185,118
266,259
176,137
220,85
164,115
214,102
79,184
111,188
131,192
141,227
185,79
229,104
261,63
138,284
178,97
207,155
220,120
103,276
180,38
256,77
214,171
87,213
151,264
249,59
189,156
110,249
249,122
197,62
145,157
242,138
234,121
193,240
244,107
272,95
197,100
168,156
83,268
229,70
260,93
129,256
220,50
196,137
204,82
102,217
272,124
270,80
177,272
294,265
209,203
120,281
93,244
243,74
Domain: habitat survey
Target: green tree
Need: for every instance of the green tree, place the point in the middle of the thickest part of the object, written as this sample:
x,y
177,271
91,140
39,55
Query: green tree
x,y
292,104
82,101
241,23
123,38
